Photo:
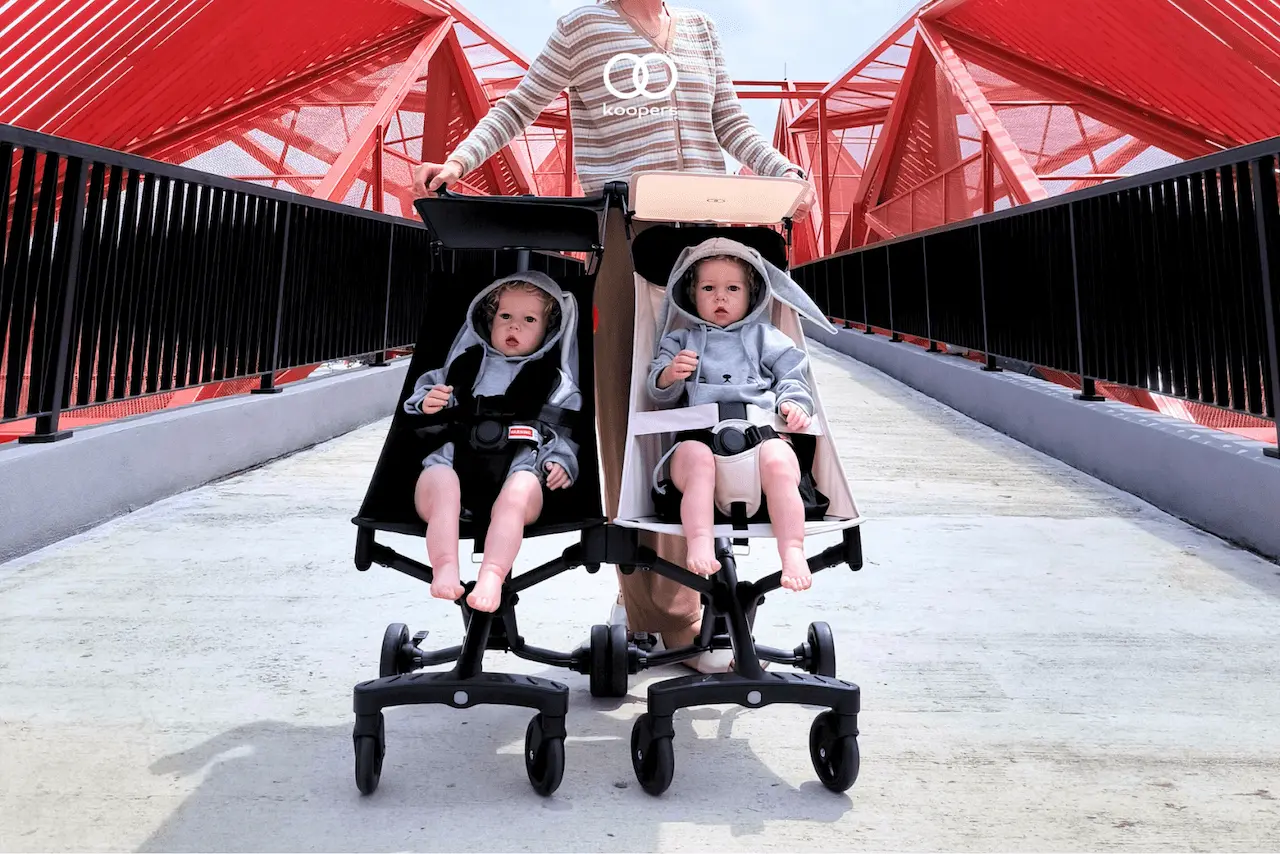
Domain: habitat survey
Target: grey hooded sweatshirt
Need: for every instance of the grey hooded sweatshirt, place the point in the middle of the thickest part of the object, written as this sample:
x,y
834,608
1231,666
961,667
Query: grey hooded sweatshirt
x,y
497,372
750,361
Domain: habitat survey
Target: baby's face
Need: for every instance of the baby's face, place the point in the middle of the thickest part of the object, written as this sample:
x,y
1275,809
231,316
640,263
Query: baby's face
x,y
519,325
721,291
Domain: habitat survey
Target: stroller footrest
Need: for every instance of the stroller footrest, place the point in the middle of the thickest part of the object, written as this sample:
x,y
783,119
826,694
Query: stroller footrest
x,y
447,689
716,688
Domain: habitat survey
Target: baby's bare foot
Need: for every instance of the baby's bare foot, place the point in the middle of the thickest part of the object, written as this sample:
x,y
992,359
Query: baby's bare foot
x,y
488,591
444,582
702,556
795,569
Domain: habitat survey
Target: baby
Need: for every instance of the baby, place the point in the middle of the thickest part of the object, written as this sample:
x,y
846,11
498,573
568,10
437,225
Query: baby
x,y
514,324
731,353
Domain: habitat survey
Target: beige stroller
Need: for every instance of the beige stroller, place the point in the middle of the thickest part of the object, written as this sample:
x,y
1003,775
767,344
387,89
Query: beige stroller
x,y
686,209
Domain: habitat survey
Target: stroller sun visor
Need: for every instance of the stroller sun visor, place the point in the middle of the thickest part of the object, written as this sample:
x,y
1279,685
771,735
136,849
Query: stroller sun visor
x,y
703,197
565,224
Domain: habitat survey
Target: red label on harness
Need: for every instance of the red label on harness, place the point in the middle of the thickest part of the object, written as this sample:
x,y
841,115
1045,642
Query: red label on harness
x,y
517,431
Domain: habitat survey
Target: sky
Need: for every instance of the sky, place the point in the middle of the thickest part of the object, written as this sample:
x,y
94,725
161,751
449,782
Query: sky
x,y
762,39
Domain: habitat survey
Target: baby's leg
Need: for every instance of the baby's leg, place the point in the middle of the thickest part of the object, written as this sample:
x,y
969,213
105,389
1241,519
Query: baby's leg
x,y
438,499
693,471
780,479
519,504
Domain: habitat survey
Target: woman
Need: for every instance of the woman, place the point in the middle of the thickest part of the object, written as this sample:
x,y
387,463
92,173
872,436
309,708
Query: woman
x,y
692,113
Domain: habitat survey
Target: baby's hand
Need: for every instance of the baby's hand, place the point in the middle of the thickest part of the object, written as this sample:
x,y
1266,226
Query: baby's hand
x,y
557,477
436,399
681,367
797,418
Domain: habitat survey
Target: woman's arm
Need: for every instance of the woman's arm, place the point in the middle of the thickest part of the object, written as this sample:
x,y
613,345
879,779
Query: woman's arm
x,y
733,127
549,75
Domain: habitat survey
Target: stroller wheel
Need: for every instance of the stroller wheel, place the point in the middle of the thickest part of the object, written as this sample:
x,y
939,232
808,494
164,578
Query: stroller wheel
x,y
600,660
835,757
543,758
619,668
609,661
393,640
370,749
822,650
652,757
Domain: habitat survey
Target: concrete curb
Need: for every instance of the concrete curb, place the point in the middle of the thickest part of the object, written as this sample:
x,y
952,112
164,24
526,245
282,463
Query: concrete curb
x,y
1214,480
50,492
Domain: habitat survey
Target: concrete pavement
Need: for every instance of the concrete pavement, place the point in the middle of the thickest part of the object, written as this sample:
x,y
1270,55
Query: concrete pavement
x,y
1046,663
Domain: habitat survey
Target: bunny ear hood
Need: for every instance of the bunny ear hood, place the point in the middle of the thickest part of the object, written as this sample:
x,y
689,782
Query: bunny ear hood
x,y
561,330
777,284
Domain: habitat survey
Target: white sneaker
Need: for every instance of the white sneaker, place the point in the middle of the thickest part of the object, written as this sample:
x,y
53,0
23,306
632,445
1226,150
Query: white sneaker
x,y
618,616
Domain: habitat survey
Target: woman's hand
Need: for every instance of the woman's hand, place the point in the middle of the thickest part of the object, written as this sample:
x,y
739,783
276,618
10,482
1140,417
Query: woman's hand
x,y
428,177
681,367
557,477
797,418
436,399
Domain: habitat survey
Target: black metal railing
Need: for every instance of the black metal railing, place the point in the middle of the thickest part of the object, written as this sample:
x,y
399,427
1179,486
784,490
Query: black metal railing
x,y
1166,281
122,277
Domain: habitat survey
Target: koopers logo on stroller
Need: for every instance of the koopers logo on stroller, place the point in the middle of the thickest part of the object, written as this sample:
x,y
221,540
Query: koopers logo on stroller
x,y
639,84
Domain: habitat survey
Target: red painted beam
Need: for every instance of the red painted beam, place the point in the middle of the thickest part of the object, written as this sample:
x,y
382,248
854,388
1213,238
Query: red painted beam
x,y
1169,133
343,173
1018,174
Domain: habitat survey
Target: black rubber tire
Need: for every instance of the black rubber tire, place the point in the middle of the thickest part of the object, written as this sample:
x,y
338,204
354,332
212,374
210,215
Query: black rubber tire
x,y
822,650
369,752
395,637
619,661
656,765
600,662
834,757
543,758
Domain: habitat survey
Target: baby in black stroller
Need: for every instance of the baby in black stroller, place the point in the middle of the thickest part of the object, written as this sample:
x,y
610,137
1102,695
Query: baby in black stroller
x,y
495,435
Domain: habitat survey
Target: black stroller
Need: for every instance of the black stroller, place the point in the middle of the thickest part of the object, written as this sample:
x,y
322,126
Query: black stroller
x,y
476,239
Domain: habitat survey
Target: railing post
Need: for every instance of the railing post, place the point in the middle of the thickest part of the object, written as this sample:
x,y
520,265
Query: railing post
x,y
1088,391
269,378
888,274
71,225
928,313
1268,219
866,313
380,358
982,298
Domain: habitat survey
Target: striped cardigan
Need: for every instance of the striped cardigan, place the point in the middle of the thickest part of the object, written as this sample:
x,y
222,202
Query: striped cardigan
x,y
672,125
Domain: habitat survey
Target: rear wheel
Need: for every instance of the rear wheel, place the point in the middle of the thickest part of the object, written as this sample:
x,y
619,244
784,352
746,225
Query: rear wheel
x,y
391,662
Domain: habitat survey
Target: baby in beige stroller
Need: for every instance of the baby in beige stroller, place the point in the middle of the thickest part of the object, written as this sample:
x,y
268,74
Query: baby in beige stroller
x,y
720,374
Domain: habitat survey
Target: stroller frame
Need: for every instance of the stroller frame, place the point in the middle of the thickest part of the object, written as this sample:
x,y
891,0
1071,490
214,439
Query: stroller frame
x,y
609,657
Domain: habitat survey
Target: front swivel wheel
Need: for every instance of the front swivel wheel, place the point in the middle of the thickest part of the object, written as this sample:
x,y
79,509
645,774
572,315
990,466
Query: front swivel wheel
x,y
652,756
835,756
369,751
543,757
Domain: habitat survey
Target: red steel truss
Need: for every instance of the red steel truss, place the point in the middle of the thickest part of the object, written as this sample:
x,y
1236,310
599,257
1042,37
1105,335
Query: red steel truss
x,y
975,105
965,106
331,98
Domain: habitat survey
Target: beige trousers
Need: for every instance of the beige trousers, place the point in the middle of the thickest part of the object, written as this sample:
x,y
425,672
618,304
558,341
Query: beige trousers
x,y
653,603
